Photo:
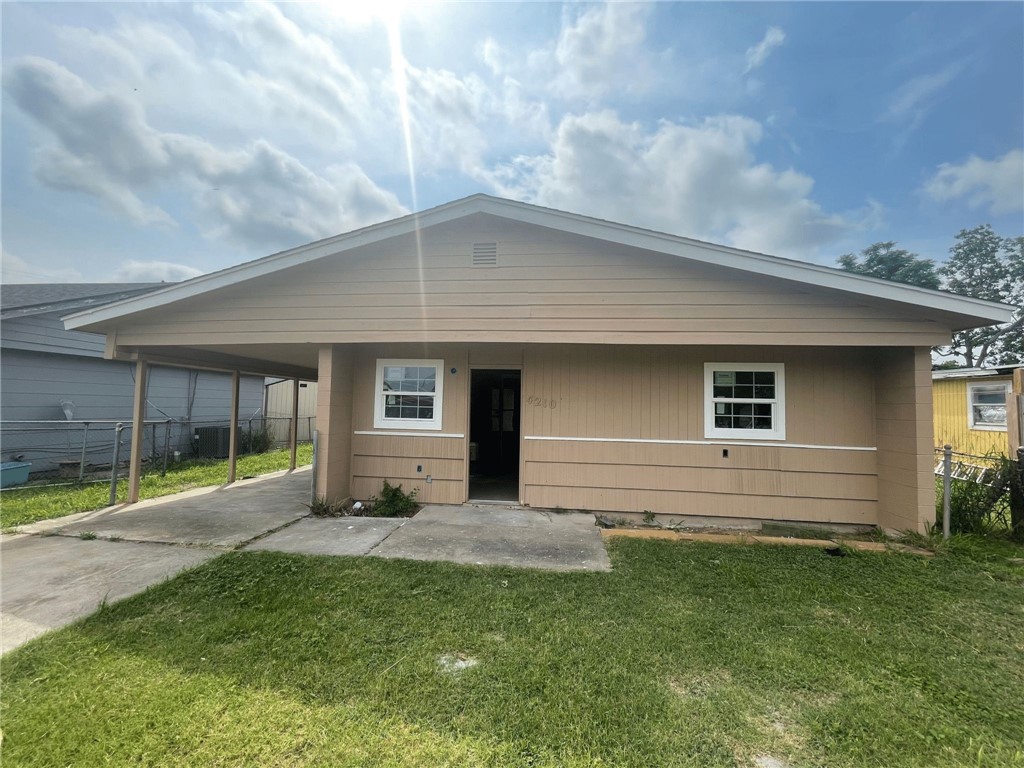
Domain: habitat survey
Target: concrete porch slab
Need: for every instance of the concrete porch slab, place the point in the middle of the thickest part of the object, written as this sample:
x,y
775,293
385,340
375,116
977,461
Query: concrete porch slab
x,y
330,536
220,517
496,535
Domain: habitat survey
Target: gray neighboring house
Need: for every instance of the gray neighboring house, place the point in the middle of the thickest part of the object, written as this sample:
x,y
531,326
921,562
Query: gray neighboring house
x,y
42,364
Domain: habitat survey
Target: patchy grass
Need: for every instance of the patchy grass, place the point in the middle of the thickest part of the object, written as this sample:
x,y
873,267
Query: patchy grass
x,y
27,505
687,654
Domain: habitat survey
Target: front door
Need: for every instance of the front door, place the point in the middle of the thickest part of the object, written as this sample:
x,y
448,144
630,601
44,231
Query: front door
x,y
494,404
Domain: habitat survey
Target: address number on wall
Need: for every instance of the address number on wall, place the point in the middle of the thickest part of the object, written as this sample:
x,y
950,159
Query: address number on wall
x,y
542,402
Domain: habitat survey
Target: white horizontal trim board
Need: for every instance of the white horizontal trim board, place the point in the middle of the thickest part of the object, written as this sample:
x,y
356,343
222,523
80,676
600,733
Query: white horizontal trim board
x,y
760,444
389,433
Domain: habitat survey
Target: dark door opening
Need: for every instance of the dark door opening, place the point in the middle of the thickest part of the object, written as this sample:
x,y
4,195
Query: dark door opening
x,y
494,402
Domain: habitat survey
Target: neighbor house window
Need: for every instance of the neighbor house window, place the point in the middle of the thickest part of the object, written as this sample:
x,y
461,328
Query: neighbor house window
x,y
408,394
744,401
986,406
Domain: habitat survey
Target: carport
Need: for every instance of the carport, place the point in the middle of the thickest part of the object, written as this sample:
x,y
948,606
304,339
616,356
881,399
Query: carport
x,y
206,360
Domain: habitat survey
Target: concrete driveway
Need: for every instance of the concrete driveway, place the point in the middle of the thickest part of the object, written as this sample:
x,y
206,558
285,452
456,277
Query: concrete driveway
x,y
50,581
206,517
57,576
74,563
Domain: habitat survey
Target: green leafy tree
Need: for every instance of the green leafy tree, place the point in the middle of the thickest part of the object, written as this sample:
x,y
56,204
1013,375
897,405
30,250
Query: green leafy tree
x,y
984,265
888,262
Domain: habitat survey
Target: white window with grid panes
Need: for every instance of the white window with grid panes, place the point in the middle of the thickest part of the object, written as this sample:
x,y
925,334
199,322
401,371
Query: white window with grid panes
x,y
745,401
408,394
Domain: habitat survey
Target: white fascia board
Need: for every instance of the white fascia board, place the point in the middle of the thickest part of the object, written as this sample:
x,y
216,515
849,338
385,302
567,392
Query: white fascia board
x,y
526,213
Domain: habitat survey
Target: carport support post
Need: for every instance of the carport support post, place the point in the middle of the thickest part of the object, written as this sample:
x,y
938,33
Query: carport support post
x,y
233,439
334,423
138,430
293,429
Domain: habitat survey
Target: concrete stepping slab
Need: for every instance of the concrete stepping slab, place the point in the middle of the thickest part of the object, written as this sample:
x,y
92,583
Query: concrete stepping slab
x,y
484,535
330,536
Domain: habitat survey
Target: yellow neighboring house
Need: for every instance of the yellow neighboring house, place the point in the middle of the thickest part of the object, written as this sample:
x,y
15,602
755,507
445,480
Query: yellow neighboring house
x,y
974,410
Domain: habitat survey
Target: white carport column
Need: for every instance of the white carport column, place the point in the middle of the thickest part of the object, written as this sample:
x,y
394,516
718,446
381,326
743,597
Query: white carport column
x,y
233,438
138,430
334,423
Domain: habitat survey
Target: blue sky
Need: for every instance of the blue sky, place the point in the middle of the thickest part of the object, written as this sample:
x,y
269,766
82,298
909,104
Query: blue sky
x,y
158,141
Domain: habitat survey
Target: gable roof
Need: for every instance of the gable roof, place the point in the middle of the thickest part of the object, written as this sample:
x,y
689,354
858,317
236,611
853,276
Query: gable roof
x,y
26,299
978,312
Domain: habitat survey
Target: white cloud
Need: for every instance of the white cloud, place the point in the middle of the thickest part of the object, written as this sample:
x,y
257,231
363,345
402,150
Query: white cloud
x,y
14,269
258,195
758,54
913,100
153,272
699,180
997,185
599,51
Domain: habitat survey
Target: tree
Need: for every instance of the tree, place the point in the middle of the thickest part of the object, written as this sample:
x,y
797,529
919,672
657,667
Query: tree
x,y
984,265
888,262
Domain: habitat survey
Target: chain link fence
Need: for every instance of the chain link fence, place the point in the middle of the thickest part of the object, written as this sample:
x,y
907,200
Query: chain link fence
x,y
75,452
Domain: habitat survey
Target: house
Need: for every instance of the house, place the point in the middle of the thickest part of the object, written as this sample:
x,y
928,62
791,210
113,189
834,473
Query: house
x,y
50,374
978,411
489,349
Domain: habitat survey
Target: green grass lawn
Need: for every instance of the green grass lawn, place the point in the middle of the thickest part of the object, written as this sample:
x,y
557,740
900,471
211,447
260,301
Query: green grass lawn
x,y
686,654
27,505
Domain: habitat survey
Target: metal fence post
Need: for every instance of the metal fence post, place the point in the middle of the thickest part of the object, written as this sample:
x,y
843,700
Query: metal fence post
x,y
947,482
113,464
85,443
167,445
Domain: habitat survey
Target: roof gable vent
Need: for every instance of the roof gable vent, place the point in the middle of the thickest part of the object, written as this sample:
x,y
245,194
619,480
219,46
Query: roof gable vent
x,y
485,254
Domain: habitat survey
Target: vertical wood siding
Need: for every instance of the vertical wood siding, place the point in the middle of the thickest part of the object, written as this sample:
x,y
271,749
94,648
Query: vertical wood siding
x,y
279,409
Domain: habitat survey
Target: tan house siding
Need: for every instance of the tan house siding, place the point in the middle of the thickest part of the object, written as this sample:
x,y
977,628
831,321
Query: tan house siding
x,y
334,423
906,484
628,393
622,394
548,287
379,457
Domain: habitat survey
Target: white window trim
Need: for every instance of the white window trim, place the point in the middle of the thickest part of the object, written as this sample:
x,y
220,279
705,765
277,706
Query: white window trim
x,y
382,422
970,405
778,416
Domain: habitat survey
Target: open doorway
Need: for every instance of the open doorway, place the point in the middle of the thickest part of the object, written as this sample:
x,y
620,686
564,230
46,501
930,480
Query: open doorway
x,y
494,405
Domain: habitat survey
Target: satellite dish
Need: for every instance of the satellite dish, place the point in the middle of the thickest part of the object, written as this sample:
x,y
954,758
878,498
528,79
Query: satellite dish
x,y
69,409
